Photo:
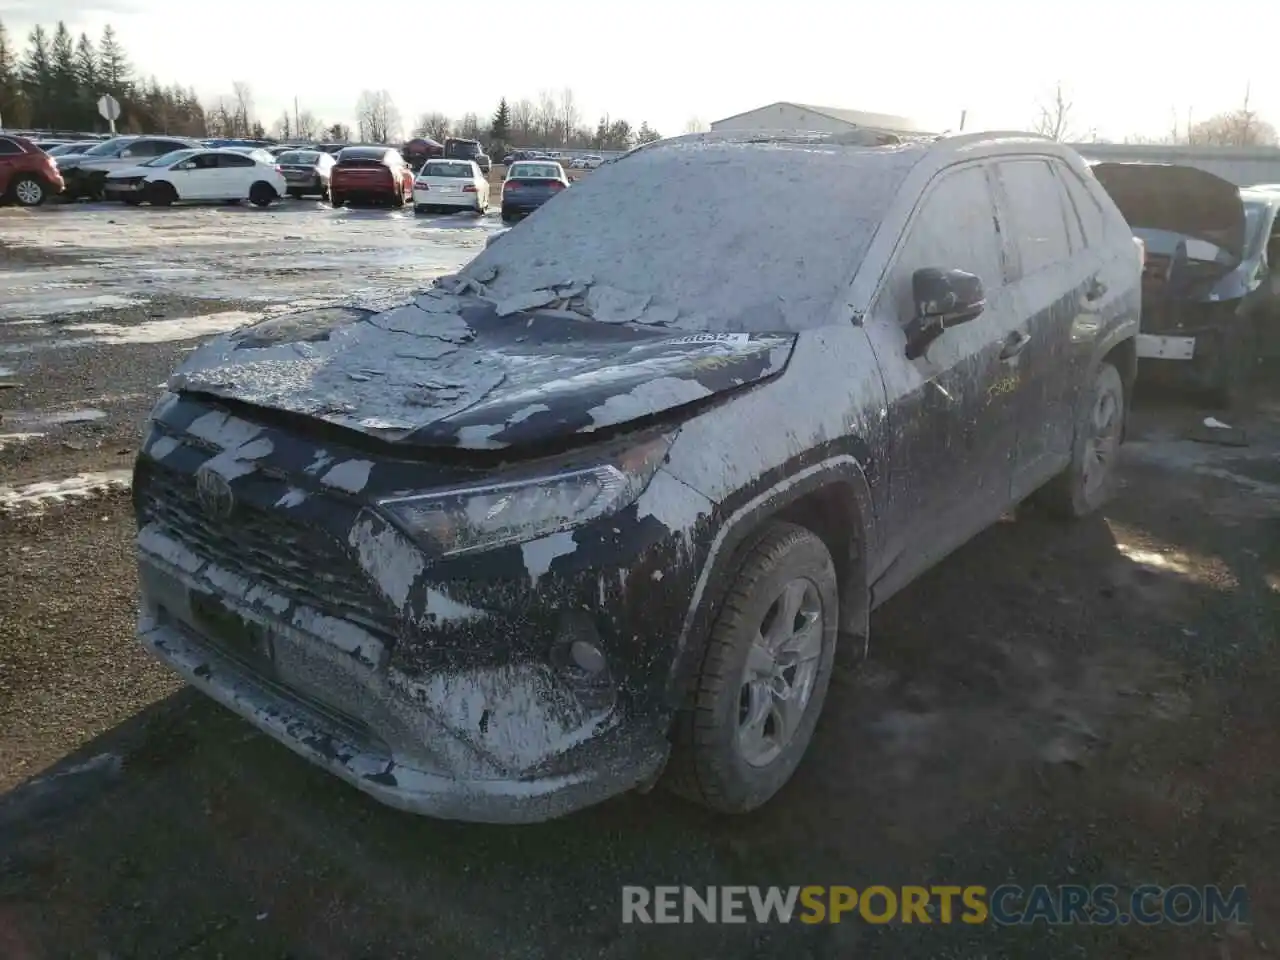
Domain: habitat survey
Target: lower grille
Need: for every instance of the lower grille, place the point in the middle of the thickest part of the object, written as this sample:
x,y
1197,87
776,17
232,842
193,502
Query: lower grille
x,y
301,563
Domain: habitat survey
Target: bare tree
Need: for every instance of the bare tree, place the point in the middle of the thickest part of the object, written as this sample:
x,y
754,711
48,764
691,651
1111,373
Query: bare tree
x,y
570,115
434,125
1054,121
308,126
547,118
218,118
242,118
469,126
377,117
522,120
283,129
695,125
1237,128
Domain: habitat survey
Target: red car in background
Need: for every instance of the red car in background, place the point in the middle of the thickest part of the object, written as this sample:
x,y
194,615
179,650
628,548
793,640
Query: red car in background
x,y
371,174
28,175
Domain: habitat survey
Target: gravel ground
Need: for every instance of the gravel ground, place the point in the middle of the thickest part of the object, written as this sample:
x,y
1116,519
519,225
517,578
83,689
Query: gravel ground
x,y
1083,704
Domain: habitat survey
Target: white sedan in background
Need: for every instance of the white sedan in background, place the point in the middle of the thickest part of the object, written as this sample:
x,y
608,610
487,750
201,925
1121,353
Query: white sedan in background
x,y
212,174
450,185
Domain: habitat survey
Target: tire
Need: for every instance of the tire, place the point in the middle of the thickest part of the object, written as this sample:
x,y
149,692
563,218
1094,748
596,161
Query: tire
x,y
1089,479
335,200
397,201
261,194
295,194
507,215
132,201
724,756
162,194
421,208
29,191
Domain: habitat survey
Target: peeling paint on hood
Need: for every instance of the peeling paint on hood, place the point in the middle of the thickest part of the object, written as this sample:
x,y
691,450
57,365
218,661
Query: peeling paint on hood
x,y
450,370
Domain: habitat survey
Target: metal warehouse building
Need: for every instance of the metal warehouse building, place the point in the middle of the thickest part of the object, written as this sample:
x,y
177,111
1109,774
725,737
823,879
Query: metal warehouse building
x,y
806,118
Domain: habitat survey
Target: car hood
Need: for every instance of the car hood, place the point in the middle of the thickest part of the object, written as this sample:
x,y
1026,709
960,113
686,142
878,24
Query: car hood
x,y
1184,200
462,372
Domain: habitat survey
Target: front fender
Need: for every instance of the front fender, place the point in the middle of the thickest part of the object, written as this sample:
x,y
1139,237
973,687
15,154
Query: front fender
x,y
746,515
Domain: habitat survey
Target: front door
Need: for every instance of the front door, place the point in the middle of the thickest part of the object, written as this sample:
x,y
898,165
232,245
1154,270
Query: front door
x,y
953,411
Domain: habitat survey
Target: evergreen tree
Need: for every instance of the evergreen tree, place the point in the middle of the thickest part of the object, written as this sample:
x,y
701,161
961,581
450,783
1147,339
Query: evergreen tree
x,y
37,76
87,83
13,109
64,92
113,65
500,129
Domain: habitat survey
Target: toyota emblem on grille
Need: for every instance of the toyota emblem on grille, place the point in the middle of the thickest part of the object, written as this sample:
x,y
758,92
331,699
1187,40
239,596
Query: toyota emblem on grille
x,y
214,493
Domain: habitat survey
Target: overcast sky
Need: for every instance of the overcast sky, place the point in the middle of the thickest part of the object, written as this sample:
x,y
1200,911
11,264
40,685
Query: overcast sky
x,y
1129,66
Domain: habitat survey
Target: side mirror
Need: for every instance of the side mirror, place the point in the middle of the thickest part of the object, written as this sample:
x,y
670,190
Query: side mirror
x,y
942,299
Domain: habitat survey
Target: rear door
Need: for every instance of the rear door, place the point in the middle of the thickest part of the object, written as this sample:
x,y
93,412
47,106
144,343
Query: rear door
x,y
10,157
236,174
954,427
1051,283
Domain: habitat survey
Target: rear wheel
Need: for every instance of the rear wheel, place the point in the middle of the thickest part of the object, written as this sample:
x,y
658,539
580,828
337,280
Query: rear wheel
x,y
29,191
507,215
1088,481
764,675
262,193
335,199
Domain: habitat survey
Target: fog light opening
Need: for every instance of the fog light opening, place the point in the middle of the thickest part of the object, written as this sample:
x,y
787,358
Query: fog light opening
x,y
580,663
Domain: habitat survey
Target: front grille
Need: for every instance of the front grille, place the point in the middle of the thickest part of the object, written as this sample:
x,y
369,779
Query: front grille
x,y
264,547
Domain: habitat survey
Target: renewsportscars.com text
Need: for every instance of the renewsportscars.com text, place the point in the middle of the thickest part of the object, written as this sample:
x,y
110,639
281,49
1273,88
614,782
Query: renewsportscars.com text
x,y
1006,905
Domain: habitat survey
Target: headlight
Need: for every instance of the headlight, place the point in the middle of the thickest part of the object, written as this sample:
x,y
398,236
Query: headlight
x,y
481,517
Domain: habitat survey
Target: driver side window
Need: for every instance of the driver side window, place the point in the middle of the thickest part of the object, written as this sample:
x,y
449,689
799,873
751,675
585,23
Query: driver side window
x,y
954,227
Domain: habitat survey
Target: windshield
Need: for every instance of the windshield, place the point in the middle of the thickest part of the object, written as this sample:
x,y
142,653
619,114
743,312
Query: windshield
x,y
300,158
165,159
66,149
107,148
536,170
728,238
447,170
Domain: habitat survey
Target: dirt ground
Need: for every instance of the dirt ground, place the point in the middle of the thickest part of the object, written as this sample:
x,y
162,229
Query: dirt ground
x,y
1053,704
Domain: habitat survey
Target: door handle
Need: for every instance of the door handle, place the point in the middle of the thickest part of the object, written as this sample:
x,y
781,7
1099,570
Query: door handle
x,y
1095,290
1014,344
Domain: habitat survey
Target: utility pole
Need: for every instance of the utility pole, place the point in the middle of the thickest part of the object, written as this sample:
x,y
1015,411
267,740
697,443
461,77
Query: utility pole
x,y
963,115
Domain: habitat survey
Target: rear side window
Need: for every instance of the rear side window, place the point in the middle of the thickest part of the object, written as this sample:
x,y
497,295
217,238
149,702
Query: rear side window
x,y
234,160
1035,219
1092,219
1074,230
9,148
955,227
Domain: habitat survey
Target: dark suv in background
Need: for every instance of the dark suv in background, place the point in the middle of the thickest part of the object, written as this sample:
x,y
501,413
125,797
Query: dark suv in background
x,y
457,148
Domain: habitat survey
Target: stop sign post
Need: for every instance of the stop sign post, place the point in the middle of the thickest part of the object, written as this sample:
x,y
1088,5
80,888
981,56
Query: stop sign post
x,y
109,107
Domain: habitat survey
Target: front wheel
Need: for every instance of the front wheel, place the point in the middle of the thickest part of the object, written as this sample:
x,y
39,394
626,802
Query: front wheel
x,y
162,195
1089,479
29,191
764,676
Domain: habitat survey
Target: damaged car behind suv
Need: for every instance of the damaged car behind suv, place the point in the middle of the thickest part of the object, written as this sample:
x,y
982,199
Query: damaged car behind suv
x,y
1211,299
603,507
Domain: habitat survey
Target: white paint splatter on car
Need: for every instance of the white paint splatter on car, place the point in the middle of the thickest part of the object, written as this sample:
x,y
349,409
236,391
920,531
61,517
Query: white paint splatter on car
x,y
524,413
444,609
350,475
292,498
162,447
659,394
393,562
539,553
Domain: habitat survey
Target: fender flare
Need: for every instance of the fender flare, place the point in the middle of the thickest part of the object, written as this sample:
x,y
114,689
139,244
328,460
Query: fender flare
x,y
735,533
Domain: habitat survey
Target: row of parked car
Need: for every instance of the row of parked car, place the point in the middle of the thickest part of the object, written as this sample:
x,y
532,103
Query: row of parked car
x,y
164,170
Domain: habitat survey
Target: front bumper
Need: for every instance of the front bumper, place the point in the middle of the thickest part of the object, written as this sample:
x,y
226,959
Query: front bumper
x,y
301,704
304,185
114,189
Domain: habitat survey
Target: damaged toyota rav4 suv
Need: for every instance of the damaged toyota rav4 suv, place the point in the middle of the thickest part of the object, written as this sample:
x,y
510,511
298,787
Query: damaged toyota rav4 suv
x,y
604,506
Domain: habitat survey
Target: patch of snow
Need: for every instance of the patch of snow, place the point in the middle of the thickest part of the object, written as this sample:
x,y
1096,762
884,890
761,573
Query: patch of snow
x,y
153,331
539,553
446,610
292,498
527,300
393,562
524,413
658,394
36,495
1216,424
350,475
